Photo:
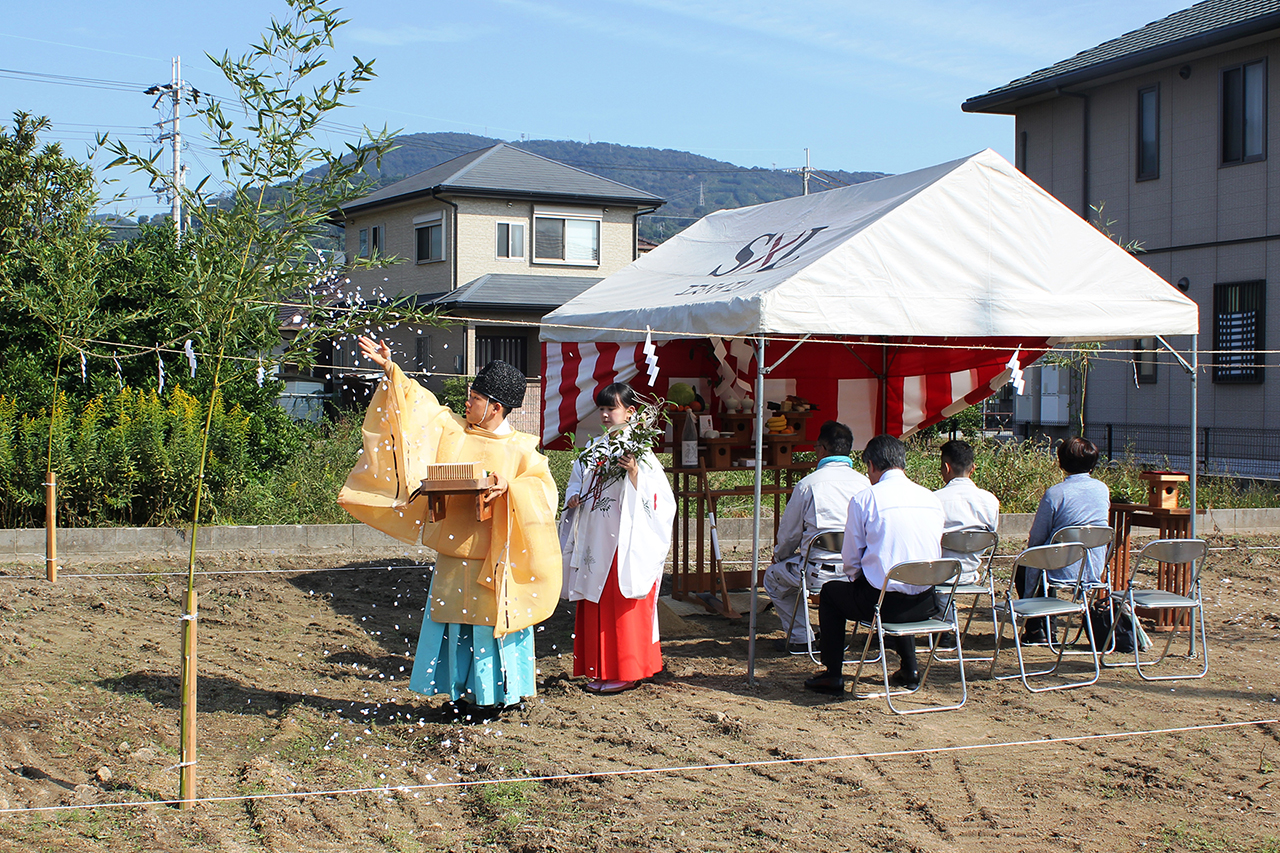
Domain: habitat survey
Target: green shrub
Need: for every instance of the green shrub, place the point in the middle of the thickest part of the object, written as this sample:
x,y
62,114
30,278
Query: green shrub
x,y
126,458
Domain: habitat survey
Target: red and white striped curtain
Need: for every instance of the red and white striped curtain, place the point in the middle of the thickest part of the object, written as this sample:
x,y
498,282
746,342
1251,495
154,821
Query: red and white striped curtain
x,y
896,386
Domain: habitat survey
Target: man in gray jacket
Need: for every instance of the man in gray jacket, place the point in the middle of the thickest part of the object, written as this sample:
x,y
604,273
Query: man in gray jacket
x,y
819,502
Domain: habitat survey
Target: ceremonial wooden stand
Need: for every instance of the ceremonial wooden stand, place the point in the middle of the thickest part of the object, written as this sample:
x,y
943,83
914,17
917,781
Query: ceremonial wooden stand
x,y
696,573
1162,514
435,491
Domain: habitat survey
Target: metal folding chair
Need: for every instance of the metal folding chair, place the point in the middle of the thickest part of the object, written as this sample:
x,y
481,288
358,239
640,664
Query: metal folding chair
x,y
1046,558
832,541
974,541
919,573
1174,551
1091,536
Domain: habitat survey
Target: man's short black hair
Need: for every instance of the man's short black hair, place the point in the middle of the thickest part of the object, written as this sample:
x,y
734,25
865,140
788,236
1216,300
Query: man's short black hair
x,y
837,438
959,455
885,452
1077,455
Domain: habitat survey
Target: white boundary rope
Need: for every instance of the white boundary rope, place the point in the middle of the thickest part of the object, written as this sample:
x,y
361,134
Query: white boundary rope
x,y
646,771
145,574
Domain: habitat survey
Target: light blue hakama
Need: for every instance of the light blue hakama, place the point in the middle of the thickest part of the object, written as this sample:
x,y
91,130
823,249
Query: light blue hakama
x,y
468,662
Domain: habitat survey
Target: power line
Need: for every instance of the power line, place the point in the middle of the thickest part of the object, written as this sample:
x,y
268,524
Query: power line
x,y
65,80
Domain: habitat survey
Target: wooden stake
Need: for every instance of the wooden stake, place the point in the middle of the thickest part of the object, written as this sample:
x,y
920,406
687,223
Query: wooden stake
x,y
51,526
187,785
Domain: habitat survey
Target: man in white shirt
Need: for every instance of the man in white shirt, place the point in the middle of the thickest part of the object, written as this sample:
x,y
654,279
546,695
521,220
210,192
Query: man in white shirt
x,y
894,521
819,502
964,505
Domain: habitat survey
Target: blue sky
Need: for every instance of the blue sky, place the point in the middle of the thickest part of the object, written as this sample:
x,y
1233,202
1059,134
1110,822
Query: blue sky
x,y
863,85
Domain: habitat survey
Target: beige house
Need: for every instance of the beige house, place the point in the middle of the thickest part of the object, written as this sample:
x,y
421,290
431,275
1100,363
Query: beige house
x,y
1167,129
495,238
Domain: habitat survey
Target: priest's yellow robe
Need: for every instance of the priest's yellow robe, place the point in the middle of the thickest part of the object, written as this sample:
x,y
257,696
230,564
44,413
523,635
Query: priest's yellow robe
x,y
503,573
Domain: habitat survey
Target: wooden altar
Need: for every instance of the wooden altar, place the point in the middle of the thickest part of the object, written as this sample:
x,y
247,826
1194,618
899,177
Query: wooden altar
x,y
698,571
1162,514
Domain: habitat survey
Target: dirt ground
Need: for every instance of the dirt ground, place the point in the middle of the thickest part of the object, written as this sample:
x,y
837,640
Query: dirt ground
x,y
304,666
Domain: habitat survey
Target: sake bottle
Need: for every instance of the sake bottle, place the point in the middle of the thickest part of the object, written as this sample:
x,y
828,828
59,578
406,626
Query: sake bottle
x,y
689,442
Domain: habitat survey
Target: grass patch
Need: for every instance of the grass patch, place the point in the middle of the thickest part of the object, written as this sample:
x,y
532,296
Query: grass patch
x,y
1194,838
504,806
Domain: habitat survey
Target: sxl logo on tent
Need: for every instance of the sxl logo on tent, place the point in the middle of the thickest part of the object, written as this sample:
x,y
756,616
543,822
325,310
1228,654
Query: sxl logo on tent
x,y
770,245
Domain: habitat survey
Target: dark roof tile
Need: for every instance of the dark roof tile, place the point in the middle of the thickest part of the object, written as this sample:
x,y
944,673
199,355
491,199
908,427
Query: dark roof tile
x,y
518,291
1203,25
505,170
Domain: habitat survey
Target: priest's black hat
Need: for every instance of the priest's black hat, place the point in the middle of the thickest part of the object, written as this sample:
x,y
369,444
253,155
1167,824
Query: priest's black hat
x,y
501,382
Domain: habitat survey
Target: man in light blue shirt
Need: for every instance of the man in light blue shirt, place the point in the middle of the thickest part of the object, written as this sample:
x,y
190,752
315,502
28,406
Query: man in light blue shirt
x,y
895,521
819,502
1077,500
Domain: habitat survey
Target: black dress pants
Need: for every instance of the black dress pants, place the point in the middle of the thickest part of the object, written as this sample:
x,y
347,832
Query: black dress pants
x,y
841,601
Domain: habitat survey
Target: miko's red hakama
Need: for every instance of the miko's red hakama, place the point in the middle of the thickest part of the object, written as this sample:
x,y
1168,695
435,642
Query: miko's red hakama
x,y
615,640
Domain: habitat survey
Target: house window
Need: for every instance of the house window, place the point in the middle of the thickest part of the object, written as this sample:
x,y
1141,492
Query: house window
x,y
370,242
567,236
510,240
1144,361
1238,331
513,350
1149,133
428,232
1244,113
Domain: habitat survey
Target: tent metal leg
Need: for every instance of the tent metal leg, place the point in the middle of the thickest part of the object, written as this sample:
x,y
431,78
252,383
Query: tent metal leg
x,y
755,531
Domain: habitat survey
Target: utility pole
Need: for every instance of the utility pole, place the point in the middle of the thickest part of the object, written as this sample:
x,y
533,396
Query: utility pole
x,y
702,199
172,93
805,171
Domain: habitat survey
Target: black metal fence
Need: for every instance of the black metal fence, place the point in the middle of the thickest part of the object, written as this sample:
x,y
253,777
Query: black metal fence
x,y
1238,451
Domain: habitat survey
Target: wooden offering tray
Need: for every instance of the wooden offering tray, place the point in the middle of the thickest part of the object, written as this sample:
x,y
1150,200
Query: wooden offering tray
x,y
456,478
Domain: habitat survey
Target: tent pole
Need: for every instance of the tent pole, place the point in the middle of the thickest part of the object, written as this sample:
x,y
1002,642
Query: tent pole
x,y
755,532
1195,426
1193,369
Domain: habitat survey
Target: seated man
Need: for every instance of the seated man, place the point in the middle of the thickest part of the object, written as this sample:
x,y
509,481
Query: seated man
x,y
894,521
1078,500
819,502
964,505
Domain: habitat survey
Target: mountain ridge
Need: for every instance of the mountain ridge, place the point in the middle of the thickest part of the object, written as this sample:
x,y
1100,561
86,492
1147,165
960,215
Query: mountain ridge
x,y
692,185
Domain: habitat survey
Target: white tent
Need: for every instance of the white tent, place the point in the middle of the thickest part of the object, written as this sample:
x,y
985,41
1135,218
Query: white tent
x,y
970,248
944,259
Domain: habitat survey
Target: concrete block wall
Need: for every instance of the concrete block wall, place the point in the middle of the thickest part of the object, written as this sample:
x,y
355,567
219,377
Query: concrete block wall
x,y
26,546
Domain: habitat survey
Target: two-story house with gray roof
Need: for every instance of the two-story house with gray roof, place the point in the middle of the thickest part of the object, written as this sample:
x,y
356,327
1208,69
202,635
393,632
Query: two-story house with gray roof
x,y
1168,128
496,238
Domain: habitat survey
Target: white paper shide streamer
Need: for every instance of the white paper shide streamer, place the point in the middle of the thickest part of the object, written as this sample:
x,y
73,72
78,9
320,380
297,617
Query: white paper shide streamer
x,y
159,372
262,374
191,356
650,356
1015,372
84,368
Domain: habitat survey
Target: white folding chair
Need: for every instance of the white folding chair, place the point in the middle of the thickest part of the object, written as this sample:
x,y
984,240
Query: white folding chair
x,y
978,540
1091,536
918,573
1046,558
832,541
1174,551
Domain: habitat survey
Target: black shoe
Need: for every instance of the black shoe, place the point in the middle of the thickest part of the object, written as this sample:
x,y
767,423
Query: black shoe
x,y
791,648
908,680
1032,637
830,683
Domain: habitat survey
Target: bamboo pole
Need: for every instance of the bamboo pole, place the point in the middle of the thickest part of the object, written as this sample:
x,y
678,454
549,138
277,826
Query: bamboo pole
x,y
51,482
187,777
187,784
51,526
